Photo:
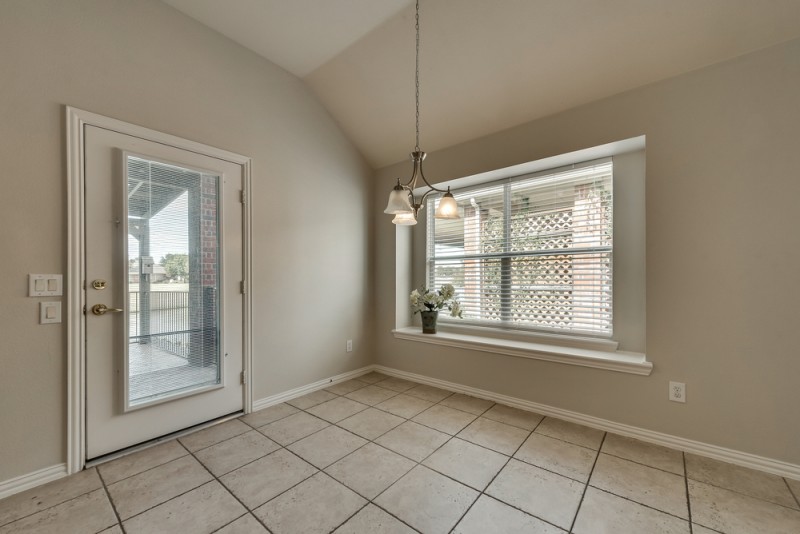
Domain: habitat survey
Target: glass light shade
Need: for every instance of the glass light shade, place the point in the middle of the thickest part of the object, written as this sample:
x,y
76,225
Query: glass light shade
x,y
405,219
448,207
398,202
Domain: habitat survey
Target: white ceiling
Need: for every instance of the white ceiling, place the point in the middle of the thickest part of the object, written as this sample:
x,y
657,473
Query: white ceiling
x,y
486,65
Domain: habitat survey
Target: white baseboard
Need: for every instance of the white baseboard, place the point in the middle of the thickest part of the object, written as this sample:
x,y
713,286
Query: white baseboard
x,y
31,480
744,459
302,390
777,467
48,474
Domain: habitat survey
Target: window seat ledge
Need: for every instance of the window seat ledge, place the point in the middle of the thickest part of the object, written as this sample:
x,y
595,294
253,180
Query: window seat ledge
x,y
620,361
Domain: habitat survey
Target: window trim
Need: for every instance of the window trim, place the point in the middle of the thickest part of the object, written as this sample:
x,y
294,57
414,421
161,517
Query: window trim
x,y
624,362
506,342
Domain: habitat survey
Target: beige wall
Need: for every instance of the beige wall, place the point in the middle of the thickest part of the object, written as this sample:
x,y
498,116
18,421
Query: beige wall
x,y
722,189
145,63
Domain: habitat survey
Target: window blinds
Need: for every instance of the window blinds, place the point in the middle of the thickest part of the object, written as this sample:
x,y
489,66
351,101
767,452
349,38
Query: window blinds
x,y
531,252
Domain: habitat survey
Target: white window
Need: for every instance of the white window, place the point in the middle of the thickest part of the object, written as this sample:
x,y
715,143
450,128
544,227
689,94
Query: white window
x,y
531,252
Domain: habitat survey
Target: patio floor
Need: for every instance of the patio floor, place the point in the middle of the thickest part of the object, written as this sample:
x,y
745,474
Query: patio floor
x,y
155,373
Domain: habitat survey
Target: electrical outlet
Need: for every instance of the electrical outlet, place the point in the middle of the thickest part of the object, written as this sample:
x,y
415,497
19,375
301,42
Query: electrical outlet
x,y
349,345
677,391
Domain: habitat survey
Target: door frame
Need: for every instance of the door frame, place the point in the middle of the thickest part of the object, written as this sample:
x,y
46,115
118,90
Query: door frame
x,y
76,120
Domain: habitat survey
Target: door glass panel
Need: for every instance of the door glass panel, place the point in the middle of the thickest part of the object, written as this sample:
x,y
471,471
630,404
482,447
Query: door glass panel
x,y
173,282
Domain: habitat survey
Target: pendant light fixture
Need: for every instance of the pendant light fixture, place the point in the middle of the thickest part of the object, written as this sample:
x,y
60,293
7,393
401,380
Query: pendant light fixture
x,y
402,202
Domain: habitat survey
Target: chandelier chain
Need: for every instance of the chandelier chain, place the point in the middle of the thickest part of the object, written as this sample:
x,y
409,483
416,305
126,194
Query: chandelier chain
x,y
416,76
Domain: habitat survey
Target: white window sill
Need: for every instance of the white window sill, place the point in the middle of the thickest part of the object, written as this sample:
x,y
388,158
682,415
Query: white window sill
x,y
623,362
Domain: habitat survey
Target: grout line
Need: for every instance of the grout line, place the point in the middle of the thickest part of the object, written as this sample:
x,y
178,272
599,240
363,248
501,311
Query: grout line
x,y
579,481
161,440
168,500
215,443
604,490
687,484
510,457
113,505
369,501
318,470
403,392
286,446
218,481
475,415
450,437
231,522
688,500
248,510
387,488
48,507
796,497
367,402
176,439
645,465
150,468
372,500
390,513
214,478
439,429
378,407
737,492
417,463
639,503
687,478
712,529
586,486
275,421
366,406
352,390
516,426
351,516
368,441
246,463
509,461
481,493
379,507
111,501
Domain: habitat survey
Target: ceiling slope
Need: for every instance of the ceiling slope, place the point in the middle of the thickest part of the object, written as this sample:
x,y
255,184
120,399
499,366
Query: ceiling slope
x,y
298,35
486,65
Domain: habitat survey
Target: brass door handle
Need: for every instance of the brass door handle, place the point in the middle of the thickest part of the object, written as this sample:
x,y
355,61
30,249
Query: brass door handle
x,y
102,309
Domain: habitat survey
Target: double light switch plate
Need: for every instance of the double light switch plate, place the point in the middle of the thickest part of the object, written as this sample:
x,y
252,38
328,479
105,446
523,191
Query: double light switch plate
x,y
45,285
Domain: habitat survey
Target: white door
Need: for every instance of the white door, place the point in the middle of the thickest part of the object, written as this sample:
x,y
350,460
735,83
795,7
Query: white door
x,y
164,334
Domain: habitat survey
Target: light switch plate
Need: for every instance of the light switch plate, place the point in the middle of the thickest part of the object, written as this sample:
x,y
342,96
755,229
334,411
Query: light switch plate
x,y
49,312
45,285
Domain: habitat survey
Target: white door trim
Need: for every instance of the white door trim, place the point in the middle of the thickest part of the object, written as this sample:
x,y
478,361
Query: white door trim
x,y
76,119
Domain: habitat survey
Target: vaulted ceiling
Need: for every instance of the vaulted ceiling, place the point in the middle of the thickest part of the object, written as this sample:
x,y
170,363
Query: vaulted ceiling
x,y
486,65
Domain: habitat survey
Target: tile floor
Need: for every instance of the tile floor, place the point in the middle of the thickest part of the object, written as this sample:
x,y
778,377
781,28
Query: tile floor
x,y
384,455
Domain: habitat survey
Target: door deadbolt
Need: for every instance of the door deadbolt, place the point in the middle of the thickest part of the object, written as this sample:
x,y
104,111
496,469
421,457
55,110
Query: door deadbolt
x,y
102,309
99,284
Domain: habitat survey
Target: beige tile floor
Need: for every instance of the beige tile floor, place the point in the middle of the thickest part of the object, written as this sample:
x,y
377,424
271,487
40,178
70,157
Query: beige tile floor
x,y
385,455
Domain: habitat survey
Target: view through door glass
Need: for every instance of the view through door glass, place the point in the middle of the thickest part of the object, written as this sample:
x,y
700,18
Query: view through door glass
x,y
173,278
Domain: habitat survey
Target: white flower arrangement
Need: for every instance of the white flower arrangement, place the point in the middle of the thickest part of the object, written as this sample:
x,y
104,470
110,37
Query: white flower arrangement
x,y
434,300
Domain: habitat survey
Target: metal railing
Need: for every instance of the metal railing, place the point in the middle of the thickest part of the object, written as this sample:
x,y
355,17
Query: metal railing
x,y
179,322
169,321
